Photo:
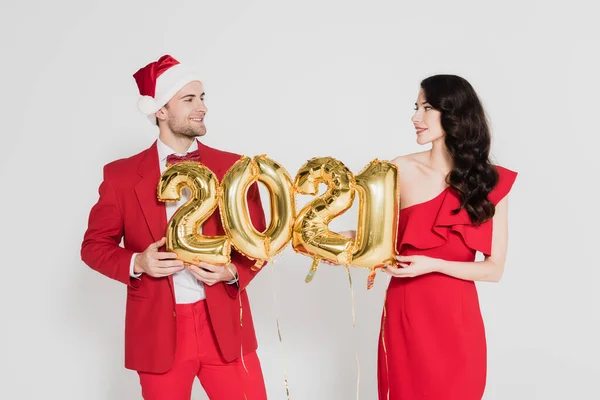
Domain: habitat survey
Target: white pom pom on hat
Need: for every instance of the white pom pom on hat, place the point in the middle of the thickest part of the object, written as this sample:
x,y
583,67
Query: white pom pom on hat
x,y
146,105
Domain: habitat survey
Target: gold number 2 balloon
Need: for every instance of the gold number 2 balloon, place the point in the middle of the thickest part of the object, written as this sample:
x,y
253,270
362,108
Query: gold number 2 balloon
x,y
311,233
259,246
183,231
375,243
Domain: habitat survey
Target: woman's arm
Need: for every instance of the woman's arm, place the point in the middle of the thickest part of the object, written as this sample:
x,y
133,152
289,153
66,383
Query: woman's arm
x,y
490,270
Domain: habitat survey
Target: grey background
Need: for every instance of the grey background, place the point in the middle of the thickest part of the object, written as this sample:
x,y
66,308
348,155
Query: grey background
x,y
294,81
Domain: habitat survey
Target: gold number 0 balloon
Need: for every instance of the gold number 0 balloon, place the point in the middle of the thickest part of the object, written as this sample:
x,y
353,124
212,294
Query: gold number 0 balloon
x,y
259,246
311,233
375,246
183,231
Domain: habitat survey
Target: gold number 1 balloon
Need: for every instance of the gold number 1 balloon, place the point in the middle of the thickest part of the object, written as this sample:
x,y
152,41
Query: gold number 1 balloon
x,y
183,230
311,233
375,246
260,246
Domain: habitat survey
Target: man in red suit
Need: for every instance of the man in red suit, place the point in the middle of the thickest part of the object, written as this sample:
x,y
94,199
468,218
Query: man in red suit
x,y
182,321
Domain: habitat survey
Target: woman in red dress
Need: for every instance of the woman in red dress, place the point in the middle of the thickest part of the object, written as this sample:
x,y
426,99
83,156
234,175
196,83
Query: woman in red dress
x,y
452,204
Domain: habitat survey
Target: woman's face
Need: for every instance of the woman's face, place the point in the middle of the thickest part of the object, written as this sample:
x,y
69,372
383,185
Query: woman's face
x,y
427,121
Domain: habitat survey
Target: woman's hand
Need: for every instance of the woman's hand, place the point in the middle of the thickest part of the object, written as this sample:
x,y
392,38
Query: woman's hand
x,y
412,266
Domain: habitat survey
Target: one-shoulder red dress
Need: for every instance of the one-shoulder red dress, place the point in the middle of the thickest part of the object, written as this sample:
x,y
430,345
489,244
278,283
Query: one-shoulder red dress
x,y
432,342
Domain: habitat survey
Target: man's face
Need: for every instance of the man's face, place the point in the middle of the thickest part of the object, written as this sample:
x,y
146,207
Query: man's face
x,y
184,113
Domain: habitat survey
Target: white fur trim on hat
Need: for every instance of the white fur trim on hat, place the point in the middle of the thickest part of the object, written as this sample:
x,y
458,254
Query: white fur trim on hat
x,y
167,84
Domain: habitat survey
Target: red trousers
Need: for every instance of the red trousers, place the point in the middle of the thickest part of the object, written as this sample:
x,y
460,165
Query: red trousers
x,y
197,355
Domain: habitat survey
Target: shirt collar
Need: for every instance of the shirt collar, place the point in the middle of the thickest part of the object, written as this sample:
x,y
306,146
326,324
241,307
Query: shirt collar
x,y
164,151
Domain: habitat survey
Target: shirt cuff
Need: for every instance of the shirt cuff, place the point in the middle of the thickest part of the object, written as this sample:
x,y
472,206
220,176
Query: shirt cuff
x,y
131,265
233,281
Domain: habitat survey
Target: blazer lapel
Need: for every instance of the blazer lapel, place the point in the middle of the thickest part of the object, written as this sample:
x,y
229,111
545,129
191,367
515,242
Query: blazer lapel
x,y
146,192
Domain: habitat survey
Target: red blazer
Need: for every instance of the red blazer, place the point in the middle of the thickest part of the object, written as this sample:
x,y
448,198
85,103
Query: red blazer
x,y
128,209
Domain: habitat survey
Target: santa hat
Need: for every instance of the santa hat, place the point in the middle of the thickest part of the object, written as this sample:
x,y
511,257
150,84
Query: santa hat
x,y
159,81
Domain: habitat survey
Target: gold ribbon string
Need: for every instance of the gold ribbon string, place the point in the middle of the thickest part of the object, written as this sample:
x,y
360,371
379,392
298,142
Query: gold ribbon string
x,y
387,370
354,327
313,269
285,379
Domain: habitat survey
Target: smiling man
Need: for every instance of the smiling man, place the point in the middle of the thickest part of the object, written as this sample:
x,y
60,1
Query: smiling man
x,y
182,321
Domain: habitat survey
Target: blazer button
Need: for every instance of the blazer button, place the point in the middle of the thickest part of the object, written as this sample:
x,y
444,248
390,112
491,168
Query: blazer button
x,y
174,314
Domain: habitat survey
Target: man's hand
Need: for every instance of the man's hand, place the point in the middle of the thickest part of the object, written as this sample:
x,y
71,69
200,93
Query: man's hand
x,y
210,274
157,263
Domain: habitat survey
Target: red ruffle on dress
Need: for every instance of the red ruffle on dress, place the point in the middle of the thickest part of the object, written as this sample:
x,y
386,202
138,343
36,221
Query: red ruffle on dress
x,y
432,343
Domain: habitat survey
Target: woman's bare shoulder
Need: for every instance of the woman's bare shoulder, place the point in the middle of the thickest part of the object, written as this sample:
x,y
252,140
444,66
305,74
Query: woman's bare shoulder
x,y
410,164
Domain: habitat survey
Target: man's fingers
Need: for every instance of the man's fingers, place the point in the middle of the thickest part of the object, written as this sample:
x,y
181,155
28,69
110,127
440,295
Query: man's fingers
x,y
166,271
206,277
159,244
200,273
163,255
210,267
169,264
162,264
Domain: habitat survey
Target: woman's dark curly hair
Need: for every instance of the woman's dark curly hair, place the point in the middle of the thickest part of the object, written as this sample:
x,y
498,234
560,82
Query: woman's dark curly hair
x,y
468,141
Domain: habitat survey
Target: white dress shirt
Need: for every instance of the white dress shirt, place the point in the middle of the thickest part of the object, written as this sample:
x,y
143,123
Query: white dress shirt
x,y
187,288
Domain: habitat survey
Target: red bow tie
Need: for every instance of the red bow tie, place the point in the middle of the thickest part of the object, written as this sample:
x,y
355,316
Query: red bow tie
x,y
173,159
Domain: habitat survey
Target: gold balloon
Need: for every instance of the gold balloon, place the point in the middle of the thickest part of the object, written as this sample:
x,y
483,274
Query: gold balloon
x,y
253,244
183,230
311,234
375,243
